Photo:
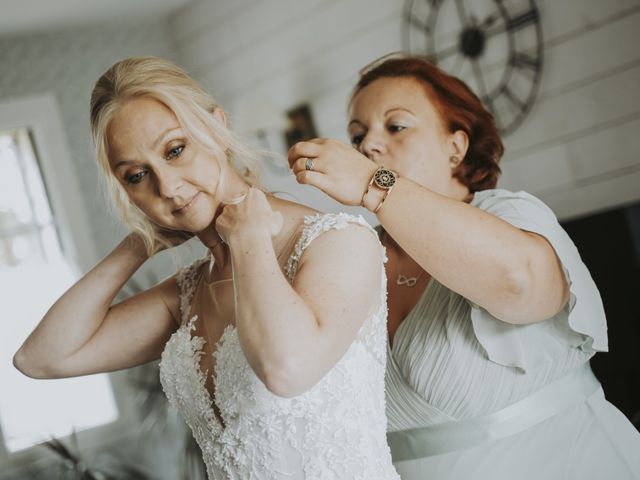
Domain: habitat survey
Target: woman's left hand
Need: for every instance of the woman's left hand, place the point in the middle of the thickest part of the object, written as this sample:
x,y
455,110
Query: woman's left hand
x,y
338,169
252,216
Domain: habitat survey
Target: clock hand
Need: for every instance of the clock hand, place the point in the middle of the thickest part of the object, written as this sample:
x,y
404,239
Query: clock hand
x,y
514,23
477,70
471,24
462,13
487,22
412,19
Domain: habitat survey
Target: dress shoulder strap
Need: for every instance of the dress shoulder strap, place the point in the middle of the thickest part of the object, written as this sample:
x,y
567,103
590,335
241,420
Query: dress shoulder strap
x,y
314,226
187,279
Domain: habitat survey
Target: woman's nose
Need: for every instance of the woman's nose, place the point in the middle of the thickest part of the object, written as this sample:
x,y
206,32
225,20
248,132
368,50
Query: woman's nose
x,y
372,146
168,181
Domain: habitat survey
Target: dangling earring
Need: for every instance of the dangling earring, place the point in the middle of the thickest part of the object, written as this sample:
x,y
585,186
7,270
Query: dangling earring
x,y
453,161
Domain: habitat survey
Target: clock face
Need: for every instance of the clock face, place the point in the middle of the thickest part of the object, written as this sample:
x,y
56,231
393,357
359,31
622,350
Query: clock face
x,y
495,46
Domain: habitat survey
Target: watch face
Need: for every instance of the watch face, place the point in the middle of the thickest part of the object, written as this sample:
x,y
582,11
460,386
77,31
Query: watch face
x,y
492,45
384,178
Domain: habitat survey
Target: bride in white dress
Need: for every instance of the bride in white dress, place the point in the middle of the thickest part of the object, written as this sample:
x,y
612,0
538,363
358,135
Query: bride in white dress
x,y
273,346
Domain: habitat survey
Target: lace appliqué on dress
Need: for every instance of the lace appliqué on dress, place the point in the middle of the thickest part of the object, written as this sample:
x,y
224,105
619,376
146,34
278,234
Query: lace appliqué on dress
x,y
335,430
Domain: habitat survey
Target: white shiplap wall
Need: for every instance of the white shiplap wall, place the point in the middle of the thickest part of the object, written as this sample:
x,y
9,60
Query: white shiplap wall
x,y
576,150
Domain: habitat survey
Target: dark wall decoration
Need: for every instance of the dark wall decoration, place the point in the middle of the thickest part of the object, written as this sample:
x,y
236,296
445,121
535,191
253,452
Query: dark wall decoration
x,y
302,127
609,244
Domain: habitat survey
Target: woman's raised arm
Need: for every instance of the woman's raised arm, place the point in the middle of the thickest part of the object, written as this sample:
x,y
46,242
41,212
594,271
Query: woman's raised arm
x,y
514,274
83,333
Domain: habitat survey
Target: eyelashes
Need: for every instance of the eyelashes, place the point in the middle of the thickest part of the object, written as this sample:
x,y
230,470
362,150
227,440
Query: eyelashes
x,y
136,177
171,154
175,152
356,139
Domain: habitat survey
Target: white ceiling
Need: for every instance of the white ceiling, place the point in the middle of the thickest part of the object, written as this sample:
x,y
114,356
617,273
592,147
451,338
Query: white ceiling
x,y
29,16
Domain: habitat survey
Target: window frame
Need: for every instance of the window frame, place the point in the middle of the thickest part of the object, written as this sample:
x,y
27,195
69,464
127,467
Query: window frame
x,y
40,114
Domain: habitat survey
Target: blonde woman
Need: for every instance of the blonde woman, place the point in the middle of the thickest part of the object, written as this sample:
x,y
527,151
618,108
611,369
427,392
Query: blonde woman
x,y
273,346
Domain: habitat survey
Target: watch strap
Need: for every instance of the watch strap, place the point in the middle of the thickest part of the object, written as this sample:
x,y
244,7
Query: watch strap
x,y
384,197
373,176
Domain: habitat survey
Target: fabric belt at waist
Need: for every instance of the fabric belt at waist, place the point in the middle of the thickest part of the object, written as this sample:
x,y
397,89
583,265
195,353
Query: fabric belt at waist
x,y
567,391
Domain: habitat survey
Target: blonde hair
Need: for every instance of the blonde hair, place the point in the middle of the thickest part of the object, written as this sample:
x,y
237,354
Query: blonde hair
x,y
167,83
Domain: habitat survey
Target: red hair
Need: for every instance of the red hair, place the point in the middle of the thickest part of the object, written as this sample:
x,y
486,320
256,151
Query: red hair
x,y
459,108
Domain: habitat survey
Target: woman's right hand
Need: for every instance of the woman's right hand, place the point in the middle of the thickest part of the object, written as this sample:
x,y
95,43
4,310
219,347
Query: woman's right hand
x,y
339,170
252,217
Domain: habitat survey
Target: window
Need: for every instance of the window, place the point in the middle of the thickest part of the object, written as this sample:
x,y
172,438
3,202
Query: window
x,y
34,271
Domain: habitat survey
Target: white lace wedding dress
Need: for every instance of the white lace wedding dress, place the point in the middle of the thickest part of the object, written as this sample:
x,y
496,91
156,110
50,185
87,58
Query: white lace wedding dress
x,y
335,430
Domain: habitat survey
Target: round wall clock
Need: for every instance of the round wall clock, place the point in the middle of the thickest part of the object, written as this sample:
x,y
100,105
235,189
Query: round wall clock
x,y
495,46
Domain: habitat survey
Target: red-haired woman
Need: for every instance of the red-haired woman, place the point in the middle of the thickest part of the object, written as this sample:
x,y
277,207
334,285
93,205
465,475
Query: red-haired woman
x,y
493,317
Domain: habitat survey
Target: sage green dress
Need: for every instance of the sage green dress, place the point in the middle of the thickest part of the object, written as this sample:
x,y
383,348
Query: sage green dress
x,y
504,401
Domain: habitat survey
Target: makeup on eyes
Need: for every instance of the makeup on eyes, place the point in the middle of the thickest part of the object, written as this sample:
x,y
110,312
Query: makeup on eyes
x,y
174,149
134,177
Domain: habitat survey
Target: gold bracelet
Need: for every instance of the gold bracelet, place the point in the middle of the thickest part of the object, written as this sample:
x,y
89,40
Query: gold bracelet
x,y
384,197
373,175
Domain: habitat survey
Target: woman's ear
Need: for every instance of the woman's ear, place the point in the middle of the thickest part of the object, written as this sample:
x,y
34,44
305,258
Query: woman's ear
x,y
458,144
219,115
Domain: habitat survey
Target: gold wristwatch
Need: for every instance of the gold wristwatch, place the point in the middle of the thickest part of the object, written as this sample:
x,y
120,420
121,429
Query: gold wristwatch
x,y
384,179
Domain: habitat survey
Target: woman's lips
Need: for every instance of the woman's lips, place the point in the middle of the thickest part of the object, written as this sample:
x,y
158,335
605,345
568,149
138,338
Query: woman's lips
x,y
185,208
